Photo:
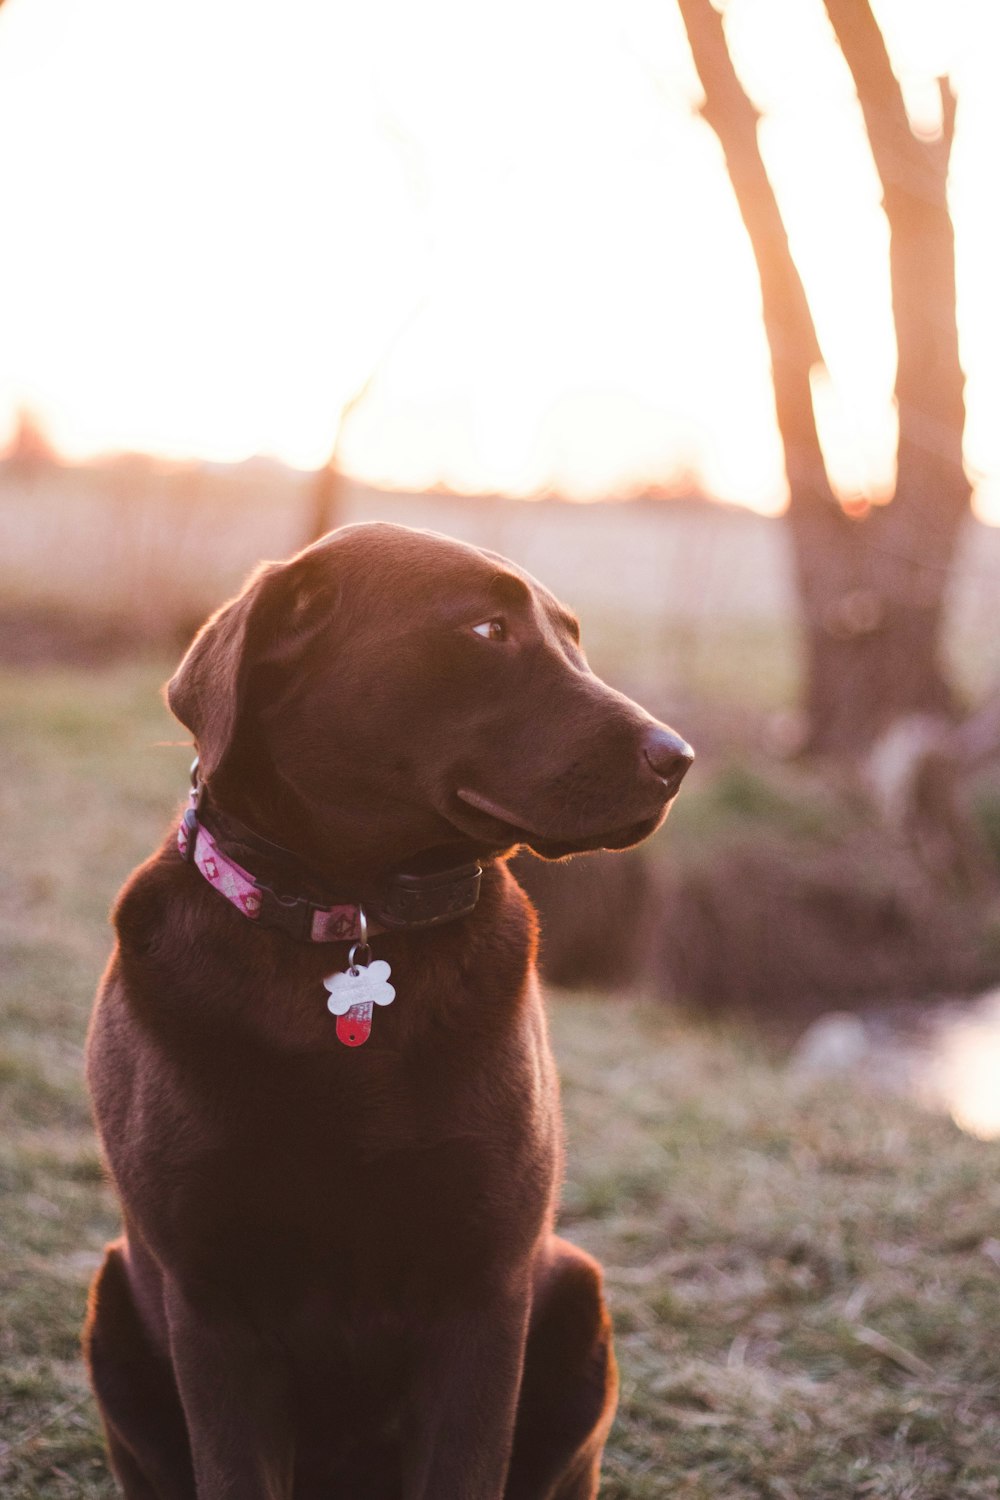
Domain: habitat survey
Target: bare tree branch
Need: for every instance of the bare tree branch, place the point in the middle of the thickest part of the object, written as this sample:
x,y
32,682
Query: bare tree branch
x,y
932,493
788,321
949,108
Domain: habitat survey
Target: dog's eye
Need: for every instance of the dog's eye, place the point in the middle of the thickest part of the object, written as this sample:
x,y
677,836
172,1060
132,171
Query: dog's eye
x,y
492,630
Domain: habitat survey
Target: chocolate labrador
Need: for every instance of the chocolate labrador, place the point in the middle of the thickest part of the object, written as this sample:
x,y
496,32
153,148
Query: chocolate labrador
x,y
319,1060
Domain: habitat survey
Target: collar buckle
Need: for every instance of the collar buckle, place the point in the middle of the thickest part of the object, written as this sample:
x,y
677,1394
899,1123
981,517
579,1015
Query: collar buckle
x,y
188,839
290,914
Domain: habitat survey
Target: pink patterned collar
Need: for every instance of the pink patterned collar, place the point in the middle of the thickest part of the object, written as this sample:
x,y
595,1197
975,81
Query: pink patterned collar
x,y
323,924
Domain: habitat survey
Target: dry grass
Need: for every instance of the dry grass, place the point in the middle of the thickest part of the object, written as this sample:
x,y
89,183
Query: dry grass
x,y
805,1280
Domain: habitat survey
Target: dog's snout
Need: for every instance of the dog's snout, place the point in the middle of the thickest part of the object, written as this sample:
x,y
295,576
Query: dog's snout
x,y
669,755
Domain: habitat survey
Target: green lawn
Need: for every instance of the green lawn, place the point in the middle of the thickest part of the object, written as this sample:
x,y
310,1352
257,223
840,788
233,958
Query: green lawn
x,y
805,1280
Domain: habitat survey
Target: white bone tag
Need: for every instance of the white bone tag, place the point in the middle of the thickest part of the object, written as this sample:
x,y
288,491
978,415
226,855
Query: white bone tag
x,y
361,984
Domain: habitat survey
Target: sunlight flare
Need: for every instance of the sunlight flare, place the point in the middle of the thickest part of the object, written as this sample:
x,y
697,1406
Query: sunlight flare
x,y
217,244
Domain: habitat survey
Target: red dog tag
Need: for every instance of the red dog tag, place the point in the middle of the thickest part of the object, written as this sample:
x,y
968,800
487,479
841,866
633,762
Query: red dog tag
x,y
354,1027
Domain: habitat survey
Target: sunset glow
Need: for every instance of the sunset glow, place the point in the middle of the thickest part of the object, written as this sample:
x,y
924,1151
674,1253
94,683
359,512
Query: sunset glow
x,y
221,218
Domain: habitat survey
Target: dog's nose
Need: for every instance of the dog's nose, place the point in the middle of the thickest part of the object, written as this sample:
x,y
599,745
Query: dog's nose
x,y
669,755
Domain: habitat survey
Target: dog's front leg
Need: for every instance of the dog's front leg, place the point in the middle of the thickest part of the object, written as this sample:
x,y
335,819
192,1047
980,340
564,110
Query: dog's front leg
x,y
234,1393
461,1415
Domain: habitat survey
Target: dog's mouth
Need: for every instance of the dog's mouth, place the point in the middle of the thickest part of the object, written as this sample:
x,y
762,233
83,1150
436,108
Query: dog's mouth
x,y
506,828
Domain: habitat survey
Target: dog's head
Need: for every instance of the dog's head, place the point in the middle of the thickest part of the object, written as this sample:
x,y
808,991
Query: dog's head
x,y
391,691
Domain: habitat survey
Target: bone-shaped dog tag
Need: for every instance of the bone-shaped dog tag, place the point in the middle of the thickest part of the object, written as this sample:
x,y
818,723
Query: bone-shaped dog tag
x,y
352,996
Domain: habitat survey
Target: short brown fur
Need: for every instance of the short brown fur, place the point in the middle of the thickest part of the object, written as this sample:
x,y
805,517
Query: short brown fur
x,y
338,1275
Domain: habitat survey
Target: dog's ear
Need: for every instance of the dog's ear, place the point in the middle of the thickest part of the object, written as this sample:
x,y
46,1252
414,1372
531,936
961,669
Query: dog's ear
x,y
280,607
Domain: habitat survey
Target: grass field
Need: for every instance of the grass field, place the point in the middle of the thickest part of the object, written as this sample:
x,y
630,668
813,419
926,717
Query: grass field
x,y
805,1280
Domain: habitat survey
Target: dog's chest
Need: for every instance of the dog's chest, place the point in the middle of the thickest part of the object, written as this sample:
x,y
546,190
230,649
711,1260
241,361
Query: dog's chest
x,y
380,1183
360,1245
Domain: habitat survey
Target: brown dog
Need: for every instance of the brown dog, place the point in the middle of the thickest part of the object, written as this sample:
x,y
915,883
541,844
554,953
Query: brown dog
x,y
338,1276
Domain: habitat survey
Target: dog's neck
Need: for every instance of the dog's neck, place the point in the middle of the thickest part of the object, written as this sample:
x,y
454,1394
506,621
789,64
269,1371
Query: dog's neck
x,y
270,885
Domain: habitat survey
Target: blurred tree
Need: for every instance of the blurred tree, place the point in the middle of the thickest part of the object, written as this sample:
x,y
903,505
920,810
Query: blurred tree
x,y
326,502
30,451
872,584
325,506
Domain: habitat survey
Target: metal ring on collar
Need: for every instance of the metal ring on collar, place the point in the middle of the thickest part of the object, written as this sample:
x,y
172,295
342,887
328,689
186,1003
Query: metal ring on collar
x,y
361,946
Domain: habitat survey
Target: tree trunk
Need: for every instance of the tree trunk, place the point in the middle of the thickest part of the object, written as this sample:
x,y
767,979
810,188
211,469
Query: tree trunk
x,y
910,545
325,504
872,590
874,658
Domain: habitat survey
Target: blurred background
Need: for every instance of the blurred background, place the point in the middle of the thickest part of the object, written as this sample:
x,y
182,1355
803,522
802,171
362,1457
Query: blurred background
x,y
692,310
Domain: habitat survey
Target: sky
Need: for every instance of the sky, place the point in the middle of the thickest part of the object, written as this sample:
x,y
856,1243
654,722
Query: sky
x,y
222,218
